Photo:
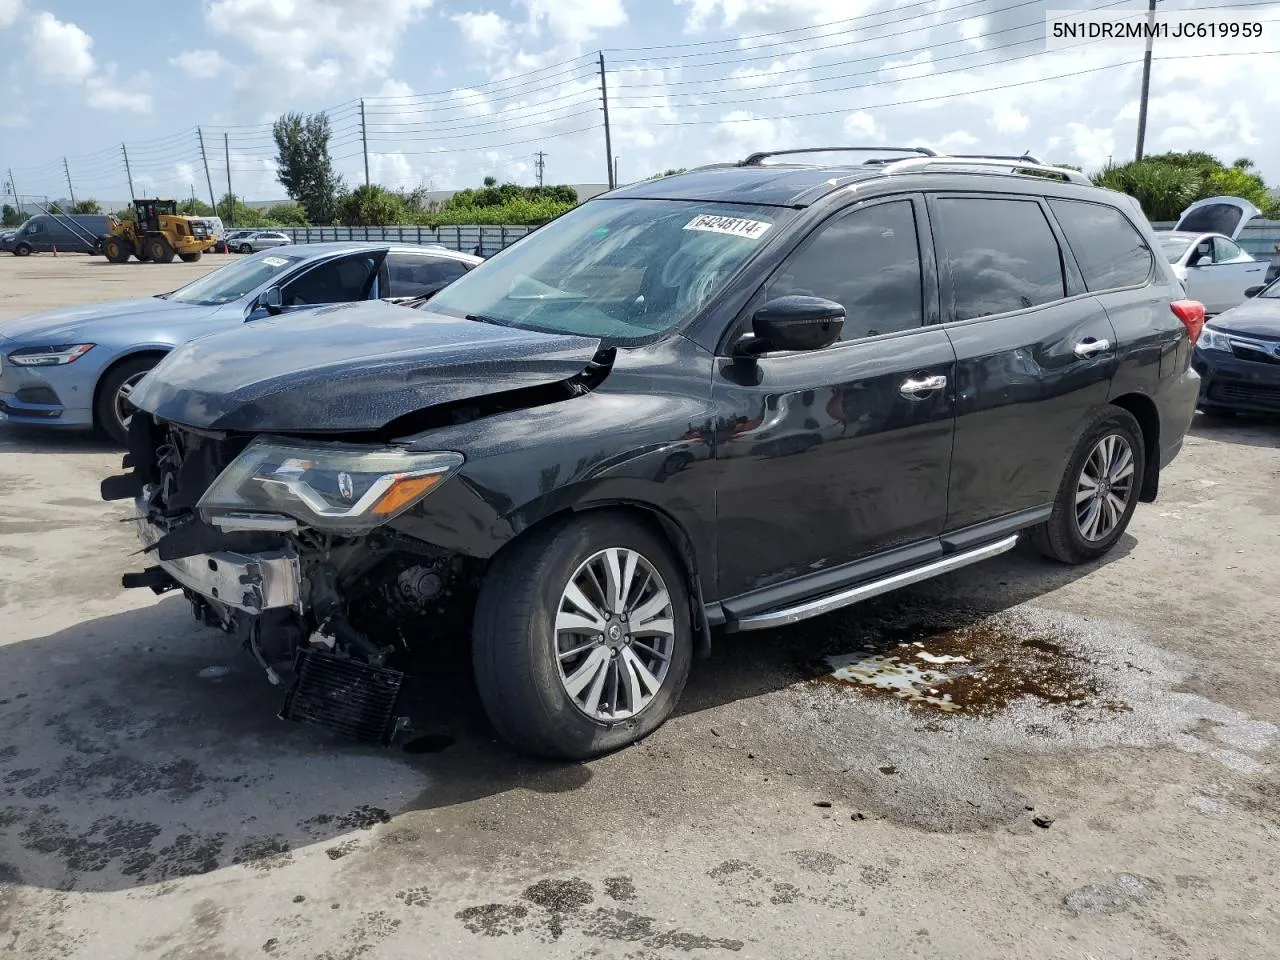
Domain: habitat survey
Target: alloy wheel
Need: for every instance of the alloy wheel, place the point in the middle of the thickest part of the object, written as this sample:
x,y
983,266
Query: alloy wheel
x,y
615,635
1104,487
123,408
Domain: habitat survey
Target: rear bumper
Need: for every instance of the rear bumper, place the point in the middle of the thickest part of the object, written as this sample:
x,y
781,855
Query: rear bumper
x,y
1229,383
252,583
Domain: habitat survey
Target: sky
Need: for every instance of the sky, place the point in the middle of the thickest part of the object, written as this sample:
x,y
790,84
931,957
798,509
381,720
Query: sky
x,y
456,90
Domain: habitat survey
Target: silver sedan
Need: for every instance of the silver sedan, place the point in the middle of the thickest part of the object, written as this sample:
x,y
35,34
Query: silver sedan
x,y
259,240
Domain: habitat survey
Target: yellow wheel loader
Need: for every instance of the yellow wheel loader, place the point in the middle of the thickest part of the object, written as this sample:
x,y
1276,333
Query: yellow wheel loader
x,y
157,234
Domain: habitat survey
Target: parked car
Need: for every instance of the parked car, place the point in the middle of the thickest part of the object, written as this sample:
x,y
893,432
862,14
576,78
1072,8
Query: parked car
x,y
77,366
256,240
69,233
1238,357
737,397
1205,256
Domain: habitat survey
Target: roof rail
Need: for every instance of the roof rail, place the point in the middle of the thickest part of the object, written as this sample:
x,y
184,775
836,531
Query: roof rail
x,y
755,158
997,156
1014,164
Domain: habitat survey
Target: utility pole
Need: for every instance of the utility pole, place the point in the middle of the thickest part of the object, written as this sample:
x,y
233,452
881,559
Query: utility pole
x,y
13,188
608,139
231,197
1146,80
364,141
213,201
540,165
70,190
128,173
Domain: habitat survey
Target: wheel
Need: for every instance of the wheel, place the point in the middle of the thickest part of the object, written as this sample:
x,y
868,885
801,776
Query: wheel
x,y
245,248
22,250
159,251
1099,491
112,408
117,250
190,257
582,638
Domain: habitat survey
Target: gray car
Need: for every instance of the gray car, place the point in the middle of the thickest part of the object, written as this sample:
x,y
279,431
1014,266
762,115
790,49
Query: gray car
x,y
75,367
257,240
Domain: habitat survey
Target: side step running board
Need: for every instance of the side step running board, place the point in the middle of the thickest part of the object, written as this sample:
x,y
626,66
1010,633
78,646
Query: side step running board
x,y
864,591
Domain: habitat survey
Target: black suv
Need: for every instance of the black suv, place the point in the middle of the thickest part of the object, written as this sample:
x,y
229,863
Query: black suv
x,y
733,398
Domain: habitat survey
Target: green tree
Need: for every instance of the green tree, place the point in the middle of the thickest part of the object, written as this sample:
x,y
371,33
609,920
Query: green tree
x,y
303,165
89,206
195,208
56,207
1167,183
12,216
370,206
287,215
235,213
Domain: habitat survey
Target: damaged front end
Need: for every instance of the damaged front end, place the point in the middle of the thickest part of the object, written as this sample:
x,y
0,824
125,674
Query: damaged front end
x,y
284,543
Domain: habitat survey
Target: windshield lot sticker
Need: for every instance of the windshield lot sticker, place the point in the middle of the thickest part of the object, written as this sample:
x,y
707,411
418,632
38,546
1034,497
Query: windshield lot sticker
x,y
734,226
275,261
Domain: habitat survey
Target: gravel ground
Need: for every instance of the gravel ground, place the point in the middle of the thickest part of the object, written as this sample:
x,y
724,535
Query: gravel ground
x,y
1019,760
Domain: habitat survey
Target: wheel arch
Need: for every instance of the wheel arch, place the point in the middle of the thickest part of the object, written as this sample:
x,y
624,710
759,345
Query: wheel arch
x,y
660,520
158,352
1145,412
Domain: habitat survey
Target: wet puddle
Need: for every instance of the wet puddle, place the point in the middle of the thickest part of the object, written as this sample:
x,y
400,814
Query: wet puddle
x,y
974,669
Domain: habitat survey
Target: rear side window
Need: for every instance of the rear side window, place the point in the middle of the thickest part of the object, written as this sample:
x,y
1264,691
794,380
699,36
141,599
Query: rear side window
x,y
868,261
338,281
1002,255
1110,252
412,275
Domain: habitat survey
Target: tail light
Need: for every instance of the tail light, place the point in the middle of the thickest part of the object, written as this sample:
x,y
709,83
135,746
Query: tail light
x,y
1191,313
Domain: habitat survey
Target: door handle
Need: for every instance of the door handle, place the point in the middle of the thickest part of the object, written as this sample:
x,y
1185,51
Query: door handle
x,y
1087,348
916,389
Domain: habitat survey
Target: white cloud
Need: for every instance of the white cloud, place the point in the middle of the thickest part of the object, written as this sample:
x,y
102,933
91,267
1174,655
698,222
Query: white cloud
x,y
1091,147
766,15
10,10
200,64
956,141
105,92
485,31
1006,118
315,44
972,30
61,52
861,126
575,21
917,65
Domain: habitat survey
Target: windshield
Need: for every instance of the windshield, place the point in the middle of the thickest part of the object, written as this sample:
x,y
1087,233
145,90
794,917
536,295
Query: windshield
x,y
1272,292
615,269
1173,247
234,280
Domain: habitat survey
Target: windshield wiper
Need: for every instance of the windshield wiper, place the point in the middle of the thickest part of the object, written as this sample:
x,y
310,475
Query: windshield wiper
x,y
481,318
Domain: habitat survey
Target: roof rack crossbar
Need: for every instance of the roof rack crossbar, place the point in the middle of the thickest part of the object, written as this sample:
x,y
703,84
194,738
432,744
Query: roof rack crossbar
x,y
921,165
755,158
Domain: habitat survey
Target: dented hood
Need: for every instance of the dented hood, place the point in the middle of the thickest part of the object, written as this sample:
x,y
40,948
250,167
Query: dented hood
x,y
349,368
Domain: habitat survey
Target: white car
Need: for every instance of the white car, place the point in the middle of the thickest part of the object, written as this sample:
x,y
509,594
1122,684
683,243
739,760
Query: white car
x,y
1205,256
259,240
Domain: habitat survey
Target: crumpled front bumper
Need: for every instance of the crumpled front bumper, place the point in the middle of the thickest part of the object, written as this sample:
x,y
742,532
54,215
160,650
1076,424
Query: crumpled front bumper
x,y
250,582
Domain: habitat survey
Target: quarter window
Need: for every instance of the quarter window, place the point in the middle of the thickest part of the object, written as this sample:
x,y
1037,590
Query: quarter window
x,y
1110,252
868,261
1226,251
1002,255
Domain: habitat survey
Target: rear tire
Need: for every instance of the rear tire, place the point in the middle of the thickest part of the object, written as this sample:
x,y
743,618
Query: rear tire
x,y
525,665
159,251
190,257
107,412
245,248
1099,491
22,250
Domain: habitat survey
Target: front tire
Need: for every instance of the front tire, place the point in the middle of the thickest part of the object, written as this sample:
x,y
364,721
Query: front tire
x,y
117,250
190,257
1099,491
159,250
582,639
22,250
245,248
111,408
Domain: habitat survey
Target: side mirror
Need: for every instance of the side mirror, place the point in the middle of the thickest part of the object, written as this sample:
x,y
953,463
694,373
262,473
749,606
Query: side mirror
x,y
795,323
272,300
1202,261
1254,290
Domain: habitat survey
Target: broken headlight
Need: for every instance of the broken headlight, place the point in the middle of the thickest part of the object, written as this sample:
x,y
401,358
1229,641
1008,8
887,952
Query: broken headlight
x,y
337,487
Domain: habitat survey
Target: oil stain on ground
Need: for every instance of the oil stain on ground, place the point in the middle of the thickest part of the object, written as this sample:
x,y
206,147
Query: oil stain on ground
x,y
976,668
